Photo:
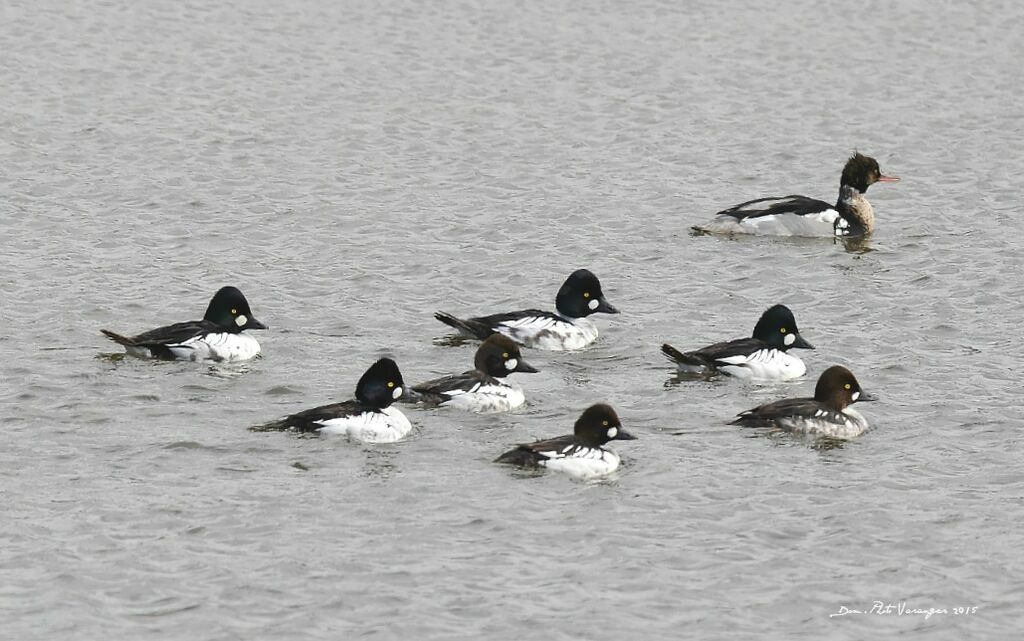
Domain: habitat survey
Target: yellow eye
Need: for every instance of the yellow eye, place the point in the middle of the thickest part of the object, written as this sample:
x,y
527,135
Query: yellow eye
x,y
605,423
586,294
234,312
783,330
505,355
847,386
392,384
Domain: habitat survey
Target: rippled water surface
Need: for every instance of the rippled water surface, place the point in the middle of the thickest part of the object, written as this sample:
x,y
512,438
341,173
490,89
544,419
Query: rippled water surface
x,y
354,166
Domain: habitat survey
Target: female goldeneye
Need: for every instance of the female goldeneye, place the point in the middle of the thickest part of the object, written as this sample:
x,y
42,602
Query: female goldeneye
x,y
217,337
581,454
484,389
763,356
569,328
368,418
852,215
827,414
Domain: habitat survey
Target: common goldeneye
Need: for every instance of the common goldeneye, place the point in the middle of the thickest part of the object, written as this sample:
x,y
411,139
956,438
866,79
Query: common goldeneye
x,y
369,418
569,328
581,454
484,389
762,356
852,215
217,337
827,414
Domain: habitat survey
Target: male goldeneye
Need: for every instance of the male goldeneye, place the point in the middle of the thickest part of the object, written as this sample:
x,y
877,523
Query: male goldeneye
x,y
763,356
217,337
368,418
569,328
852,215
581,454
827,414
484,389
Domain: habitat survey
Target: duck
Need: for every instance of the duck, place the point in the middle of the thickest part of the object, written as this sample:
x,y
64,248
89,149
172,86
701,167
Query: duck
x,y
217,337
568,328
485,389
763,356
828,414
369,417
851,216
581,454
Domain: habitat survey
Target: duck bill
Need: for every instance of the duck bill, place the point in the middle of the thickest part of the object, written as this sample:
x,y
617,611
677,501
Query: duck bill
x,y
606,307
623,435
525,368
801,343
865,396
888,179
255,324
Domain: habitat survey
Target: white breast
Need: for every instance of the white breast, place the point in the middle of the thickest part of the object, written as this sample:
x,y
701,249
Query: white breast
x,y
584,463
553,334
386,426
764,364
486,399
224,346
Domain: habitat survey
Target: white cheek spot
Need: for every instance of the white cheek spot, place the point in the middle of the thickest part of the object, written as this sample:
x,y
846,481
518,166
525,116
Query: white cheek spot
x,y
241,320
395,393
593,304
789,339
612,431
510,364
855,396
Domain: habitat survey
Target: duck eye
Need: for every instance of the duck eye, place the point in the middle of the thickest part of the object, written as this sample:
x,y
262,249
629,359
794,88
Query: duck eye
x,y
847,386
605,423
504,355
586,294
783,330
234,311
392,384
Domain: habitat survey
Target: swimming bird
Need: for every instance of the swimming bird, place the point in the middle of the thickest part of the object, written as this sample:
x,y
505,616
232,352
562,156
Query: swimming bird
x,y
762,356
581,454
827,414
483,389
369,417
852,215
218,337
567,329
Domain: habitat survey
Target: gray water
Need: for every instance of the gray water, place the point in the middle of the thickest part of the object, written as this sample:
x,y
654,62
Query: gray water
x,y
355,166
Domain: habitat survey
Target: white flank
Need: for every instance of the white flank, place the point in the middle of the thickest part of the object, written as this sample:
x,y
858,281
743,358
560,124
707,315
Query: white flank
x,y
850,425
583,463
225,346
553,334
486,399
386,426
764,364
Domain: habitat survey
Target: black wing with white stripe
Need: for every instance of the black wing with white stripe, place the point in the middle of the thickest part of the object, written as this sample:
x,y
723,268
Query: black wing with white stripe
x,y
795,205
